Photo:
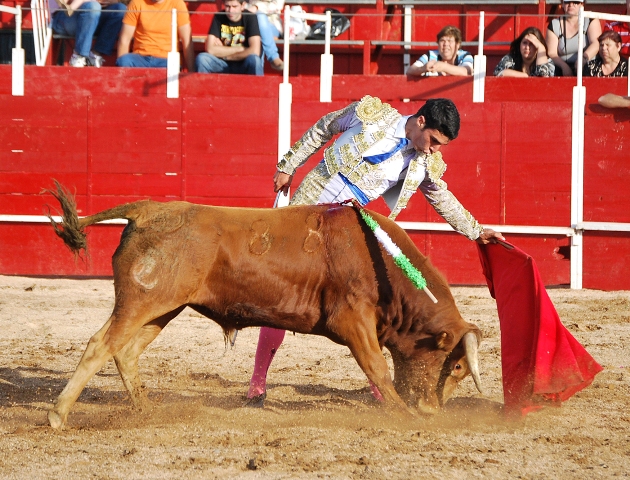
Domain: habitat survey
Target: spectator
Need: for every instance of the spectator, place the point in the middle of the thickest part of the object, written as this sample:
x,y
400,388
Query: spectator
x,y
610,100
272,9
527,57
148,23
562,39
623,29
101,19
608,62
233,44
268,35
448,59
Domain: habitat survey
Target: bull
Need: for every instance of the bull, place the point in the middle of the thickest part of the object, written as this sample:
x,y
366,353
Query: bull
x,y
308,269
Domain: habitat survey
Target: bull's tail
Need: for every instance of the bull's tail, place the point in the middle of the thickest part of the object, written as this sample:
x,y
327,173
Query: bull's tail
x,y
72,228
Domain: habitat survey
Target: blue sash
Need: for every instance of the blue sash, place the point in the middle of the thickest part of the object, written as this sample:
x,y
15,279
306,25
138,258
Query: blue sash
x,y
374,159
381,157
361,197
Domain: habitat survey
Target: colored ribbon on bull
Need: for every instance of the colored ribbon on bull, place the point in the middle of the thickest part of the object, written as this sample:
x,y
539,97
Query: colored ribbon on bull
x,y
400,259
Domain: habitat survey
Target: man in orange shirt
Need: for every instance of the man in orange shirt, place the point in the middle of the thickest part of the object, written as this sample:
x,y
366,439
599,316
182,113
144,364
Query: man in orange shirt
x,y
148,23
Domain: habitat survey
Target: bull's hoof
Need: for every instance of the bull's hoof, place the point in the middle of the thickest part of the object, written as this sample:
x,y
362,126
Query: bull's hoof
x,y
142,403
256,402
56,421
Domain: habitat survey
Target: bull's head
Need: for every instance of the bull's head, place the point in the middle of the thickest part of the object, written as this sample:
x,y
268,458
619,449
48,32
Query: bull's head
x,y
426,378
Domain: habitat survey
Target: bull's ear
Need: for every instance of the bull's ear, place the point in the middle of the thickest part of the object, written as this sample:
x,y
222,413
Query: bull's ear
x,y
444,340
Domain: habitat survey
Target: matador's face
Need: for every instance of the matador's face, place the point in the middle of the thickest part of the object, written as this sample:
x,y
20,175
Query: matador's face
x,y
424,140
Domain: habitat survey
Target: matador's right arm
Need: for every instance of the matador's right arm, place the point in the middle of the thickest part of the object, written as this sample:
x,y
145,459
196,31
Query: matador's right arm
x,y
316,137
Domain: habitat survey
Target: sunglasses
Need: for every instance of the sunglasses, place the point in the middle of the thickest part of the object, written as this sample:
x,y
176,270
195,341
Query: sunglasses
x,y
573,3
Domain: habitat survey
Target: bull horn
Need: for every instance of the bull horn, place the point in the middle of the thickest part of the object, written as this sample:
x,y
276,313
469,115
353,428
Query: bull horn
x,y
470,347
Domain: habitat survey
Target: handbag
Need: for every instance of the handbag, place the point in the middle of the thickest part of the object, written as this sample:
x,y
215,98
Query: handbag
x,y
339,24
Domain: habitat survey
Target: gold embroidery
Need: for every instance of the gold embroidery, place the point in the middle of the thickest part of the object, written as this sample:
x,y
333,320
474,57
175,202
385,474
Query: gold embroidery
x,y
312,186
360,142
435,166
331,161
378,135
345,152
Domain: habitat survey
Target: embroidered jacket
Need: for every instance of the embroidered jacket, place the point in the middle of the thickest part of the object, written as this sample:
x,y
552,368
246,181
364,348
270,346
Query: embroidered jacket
x,y
368,127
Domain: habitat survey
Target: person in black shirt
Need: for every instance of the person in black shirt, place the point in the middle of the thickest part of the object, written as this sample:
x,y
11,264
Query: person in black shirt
x,y
233,44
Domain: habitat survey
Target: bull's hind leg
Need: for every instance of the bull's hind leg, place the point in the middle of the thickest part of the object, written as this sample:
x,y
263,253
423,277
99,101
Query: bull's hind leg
x,y
114,335
358,330
127,358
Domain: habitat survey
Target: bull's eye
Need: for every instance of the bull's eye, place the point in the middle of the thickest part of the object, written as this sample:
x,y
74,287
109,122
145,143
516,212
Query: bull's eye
x,y
458,367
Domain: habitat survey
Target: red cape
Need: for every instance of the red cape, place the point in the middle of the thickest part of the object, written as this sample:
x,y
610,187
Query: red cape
x,y
541,361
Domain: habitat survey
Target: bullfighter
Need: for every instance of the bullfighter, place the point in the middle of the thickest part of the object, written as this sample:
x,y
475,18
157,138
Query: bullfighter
x,y
379,152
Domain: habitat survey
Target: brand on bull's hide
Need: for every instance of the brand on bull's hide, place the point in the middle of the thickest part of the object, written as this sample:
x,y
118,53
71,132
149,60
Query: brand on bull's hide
x,y
260,242
143,269
314,222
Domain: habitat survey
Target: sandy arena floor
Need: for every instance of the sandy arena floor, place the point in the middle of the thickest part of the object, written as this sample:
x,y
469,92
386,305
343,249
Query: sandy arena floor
x,y
320,420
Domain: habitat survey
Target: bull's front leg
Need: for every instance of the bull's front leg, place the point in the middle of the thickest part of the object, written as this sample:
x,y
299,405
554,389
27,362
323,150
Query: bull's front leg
x,y
359,333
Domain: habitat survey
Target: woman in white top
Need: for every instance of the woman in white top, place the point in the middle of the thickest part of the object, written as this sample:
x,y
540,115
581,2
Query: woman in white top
x,y
562,38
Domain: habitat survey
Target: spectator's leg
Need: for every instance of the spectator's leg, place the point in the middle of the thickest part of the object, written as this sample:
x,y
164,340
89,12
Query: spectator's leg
x,y
267,32
87,20
109,26
133,60
207,63
157,62
62,24
252,65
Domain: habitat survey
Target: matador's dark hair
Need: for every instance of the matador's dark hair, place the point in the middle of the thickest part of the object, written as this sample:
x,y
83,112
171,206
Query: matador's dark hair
x,y
442,115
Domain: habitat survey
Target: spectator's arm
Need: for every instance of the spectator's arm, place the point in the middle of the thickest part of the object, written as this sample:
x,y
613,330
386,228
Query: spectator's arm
x,y
416,70
216,48
254,48
448,69
552,51
508,72
505,68
419,67
185,35
610,100
593,32
124,42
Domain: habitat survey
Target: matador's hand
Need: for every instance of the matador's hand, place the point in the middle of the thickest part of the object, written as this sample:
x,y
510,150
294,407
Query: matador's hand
x,y
282,181
489,236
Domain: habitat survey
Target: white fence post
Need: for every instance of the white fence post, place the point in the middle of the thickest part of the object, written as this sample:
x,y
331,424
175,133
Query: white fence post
x,y
173,62
17,58
17,53
285,91
325,82
479,74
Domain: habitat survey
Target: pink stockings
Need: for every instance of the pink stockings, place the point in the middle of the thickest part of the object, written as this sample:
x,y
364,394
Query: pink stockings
x,y
269,340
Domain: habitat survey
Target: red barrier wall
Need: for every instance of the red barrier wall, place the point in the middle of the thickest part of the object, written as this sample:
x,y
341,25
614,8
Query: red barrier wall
x,y
112,135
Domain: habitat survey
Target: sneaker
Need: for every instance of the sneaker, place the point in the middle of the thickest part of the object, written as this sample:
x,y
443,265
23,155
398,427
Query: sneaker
x,y
95,60
277,64
77,60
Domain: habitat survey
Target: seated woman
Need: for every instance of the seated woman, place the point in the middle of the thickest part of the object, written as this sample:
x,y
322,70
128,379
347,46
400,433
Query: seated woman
x,y
527,57
608,62
562,38
448,59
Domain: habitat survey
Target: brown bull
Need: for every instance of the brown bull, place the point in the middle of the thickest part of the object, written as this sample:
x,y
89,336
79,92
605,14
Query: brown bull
x,y
310,269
